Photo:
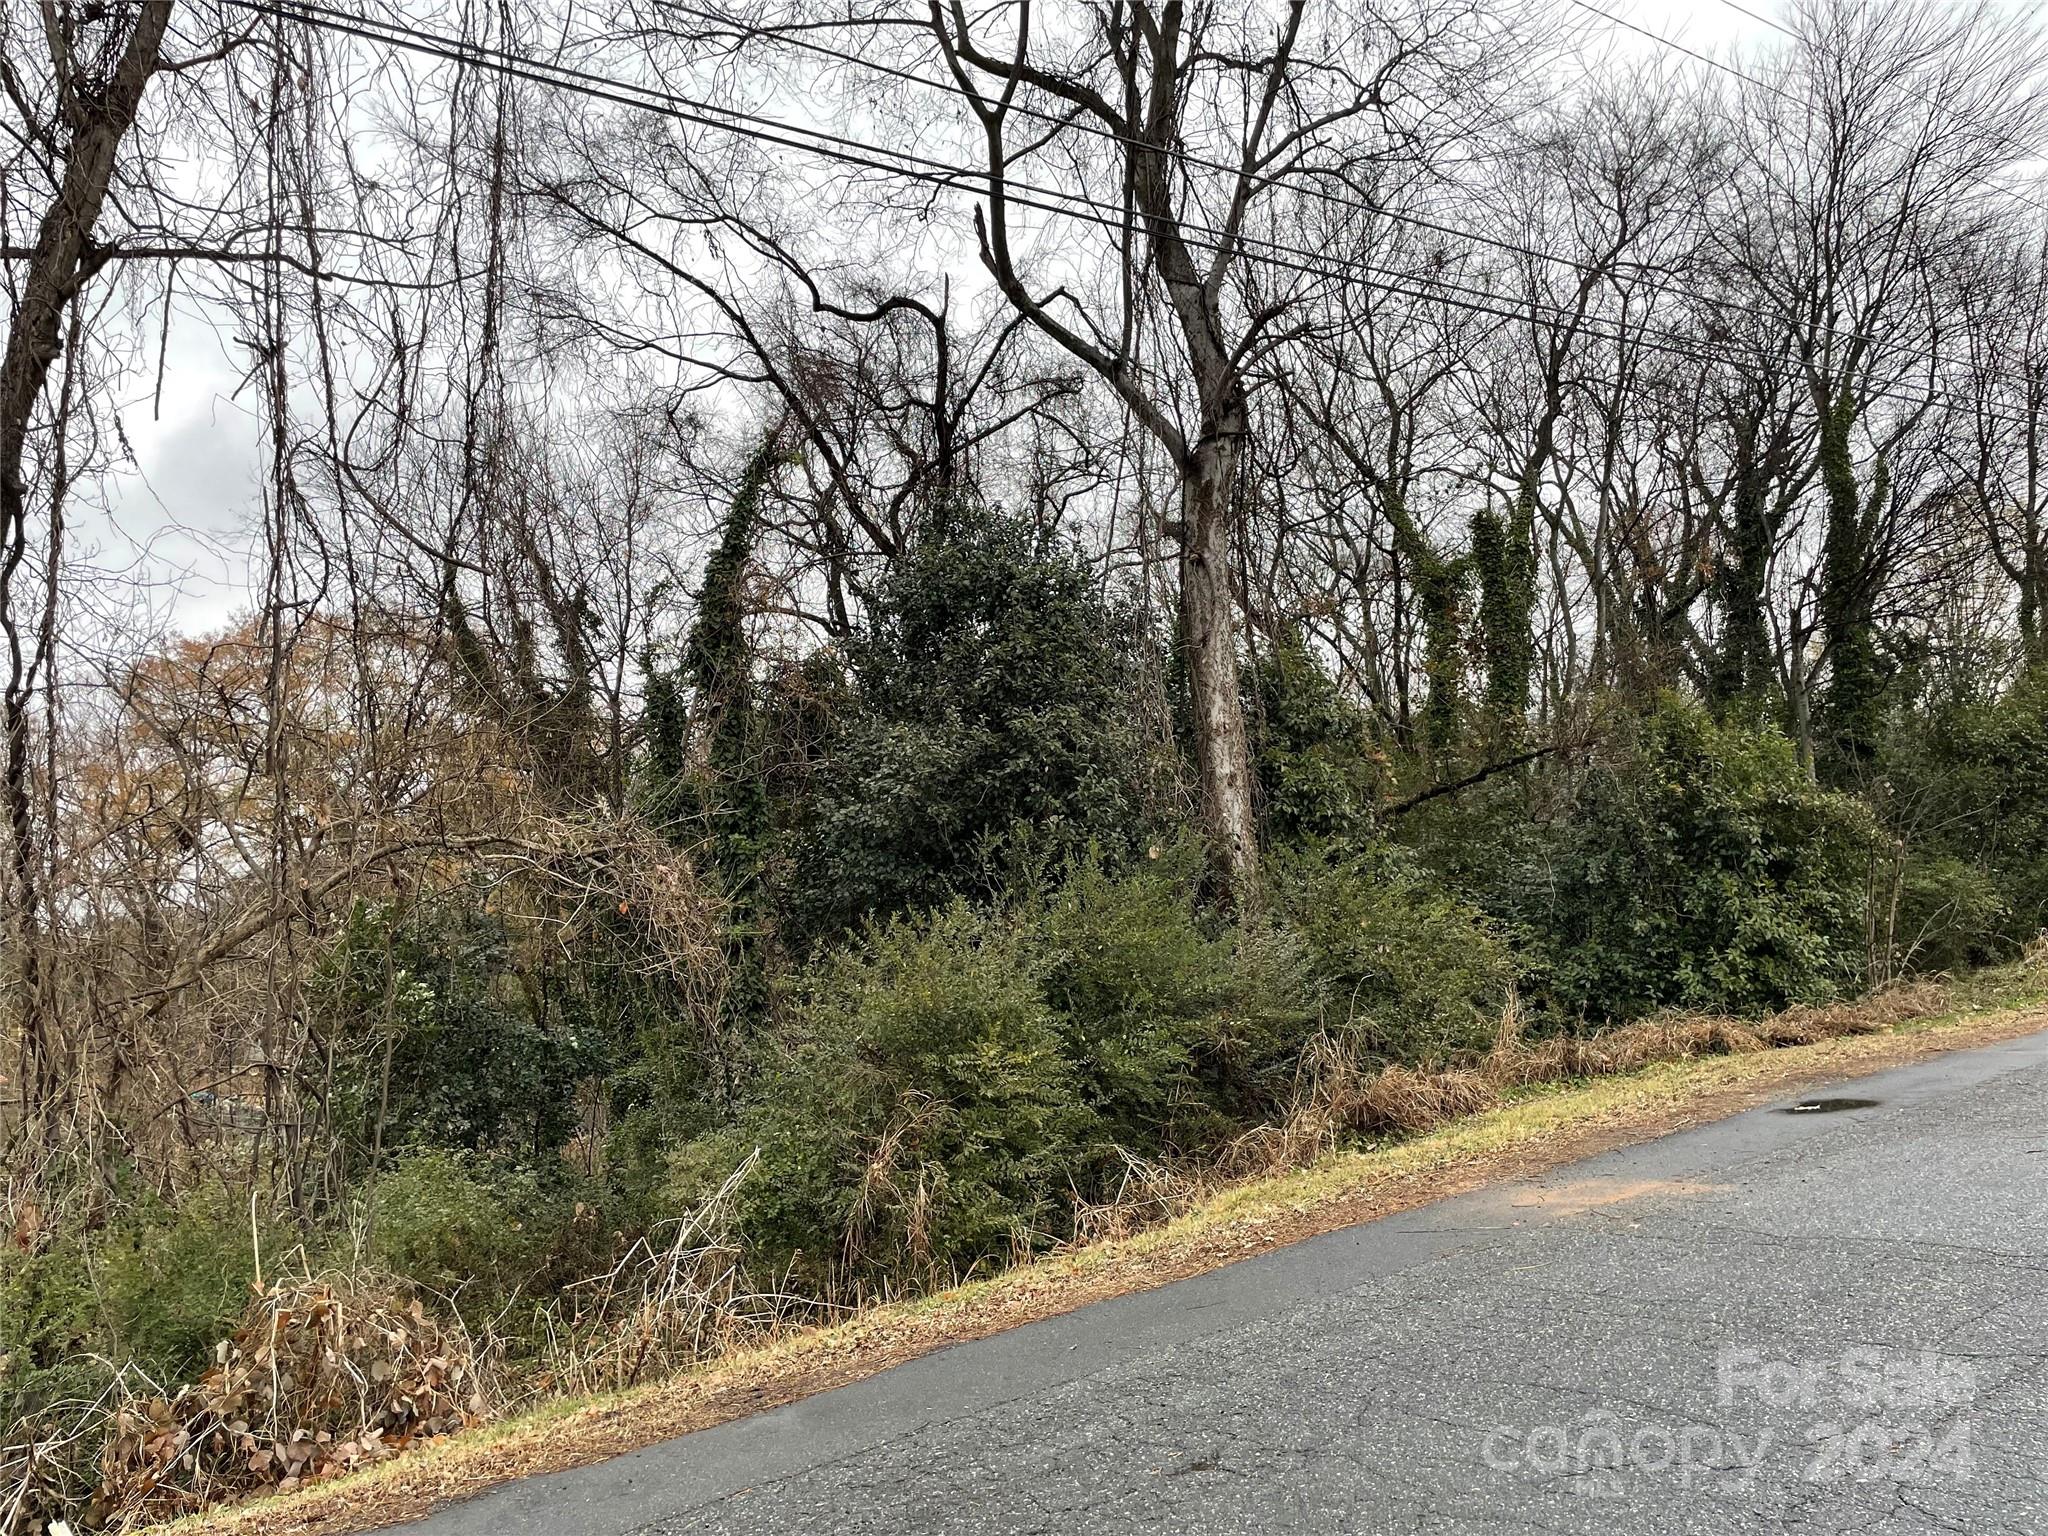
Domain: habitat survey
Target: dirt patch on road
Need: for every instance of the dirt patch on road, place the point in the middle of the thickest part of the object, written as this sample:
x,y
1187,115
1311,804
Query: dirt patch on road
x,y
1582,1195
1523,1139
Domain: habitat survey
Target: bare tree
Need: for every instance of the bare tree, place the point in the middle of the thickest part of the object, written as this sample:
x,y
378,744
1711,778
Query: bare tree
x,y
1869,139
74,114
1186,329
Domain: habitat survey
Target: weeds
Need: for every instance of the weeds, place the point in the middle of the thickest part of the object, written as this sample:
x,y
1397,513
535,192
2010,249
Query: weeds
x,y
675,1297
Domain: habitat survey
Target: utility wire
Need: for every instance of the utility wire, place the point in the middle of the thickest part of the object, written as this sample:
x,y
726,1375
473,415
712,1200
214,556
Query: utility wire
x,y
855,152
951,177
2005,141
1726,68
1173,152
1311,190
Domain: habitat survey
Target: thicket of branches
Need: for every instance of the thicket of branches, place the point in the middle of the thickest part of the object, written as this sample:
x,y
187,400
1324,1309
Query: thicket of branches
x,y
940,604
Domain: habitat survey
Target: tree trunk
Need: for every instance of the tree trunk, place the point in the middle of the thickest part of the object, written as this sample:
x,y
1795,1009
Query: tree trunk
x,y
2033,585
1439,589
1742,661
1504,550
98,116
1855,695
1208,639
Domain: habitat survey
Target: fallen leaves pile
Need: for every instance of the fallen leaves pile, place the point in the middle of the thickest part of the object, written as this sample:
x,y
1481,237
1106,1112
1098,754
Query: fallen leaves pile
x,y
318,1378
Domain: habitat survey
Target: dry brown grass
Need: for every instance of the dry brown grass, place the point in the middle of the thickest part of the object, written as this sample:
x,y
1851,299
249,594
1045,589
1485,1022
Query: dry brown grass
x,y
1148,1192
1405,1102
1515,1062
1336,1099
326,1373
675,1305
675,1297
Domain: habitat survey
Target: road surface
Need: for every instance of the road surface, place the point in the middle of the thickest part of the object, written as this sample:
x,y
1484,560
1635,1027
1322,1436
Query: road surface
x,y
1814,1321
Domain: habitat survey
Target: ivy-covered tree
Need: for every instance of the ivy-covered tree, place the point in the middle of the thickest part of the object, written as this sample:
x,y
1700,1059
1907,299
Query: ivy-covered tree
x,y
1698,867
1312,750
992,717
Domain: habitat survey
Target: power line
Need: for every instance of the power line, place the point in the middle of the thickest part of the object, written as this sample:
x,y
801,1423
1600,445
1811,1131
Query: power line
x,y
948,176
1881,344
2004,141
1181,156
832,146
1757,16
920,168
951,177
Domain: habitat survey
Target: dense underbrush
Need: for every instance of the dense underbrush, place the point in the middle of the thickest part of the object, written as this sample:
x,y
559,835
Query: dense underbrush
x,y
332,1362
908,966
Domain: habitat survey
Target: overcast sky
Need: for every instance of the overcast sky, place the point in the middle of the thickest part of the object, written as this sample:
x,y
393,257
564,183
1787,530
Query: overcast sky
x,y
182,519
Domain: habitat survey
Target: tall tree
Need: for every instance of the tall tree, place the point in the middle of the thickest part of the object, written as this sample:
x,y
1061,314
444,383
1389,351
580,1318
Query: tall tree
x,y
100,60
1870,139
1126,91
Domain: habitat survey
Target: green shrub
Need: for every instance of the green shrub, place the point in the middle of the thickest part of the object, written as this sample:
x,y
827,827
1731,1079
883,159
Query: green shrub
x,y
1487,844
1317,767
1950,915
49,1319
1405,971
1181,1028
1970,780
953,1081
484,1232
172,1278
156,1283
992,698
923,1120
1699,867
441,1037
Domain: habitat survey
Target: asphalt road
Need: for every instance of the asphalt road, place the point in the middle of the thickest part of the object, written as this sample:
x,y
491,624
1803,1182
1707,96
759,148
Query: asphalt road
x,y
1814,1321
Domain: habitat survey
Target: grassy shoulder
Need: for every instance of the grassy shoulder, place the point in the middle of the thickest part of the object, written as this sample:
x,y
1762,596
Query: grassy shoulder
x,y
1537,1127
